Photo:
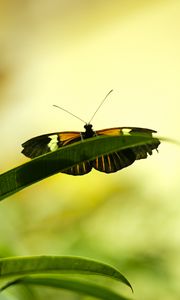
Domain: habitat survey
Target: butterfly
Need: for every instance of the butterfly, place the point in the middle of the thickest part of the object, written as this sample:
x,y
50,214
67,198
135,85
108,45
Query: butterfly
x,y
109,163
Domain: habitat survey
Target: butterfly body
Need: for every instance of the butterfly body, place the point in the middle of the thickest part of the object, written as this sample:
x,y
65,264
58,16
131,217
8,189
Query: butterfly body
x,y
107,163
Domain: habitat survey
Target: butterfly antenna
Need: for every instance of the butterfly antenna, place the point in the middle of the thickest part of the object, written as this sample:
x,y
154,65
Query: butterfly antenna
x,y
69,113
100,105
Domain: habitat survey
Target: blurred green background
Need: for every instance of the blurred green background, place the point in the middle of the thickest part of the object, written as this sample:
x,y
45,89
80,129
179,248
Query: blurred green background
x,y
71,53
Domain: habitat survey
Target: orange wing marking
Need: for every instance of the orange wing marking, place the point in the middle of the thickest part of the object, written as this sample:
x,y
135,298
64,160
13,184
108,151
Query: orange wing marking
x,y
68,136
103,163
110,131
84,167
97,162
77,167
109,162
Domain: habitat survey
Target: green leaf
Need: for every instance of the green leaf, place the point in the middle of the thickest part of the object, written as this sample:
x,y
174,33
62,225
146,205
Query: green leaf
x,y
64,158
16,267
74,285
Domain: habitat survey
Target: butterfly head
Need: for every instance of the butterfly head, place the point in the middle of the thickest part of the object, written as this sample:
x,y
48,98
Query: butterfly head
x,y
88,126
88,130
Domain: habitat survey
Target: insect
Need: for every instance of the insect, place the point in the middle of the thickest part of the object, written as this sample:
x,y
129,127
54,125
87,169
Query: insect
x,y
109,163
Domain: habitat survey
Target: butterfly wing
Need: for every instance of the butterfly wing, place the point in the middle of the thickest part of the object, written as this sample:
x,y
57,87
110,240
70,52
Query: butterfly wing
x,y
107,163
50,142
120,159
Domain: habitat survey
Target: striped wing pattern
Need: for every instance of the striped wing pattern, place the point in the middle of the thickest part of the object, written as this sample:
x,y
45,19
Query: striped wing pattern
x,y
123,158
79,169
107,163
113,162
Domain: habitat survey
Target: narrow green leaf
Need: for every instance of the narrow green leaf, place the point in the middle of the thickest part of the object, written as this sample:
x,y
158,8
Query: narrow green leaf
x,y
20,266
75,285
64,158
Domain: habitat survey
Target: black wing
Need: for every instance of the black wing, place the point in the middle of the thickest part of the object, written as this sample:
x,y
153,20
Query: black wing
x,y
50,142
118,160
107,163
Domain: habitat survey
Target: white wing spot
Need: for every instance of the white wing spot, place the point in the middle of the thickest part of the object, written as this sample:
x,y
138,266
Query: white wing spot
x,y
126,131
53,144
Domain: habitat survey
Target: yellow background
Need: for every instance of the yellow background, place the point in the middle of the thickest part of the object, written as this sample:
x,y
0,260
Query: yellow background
x,y
71,53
